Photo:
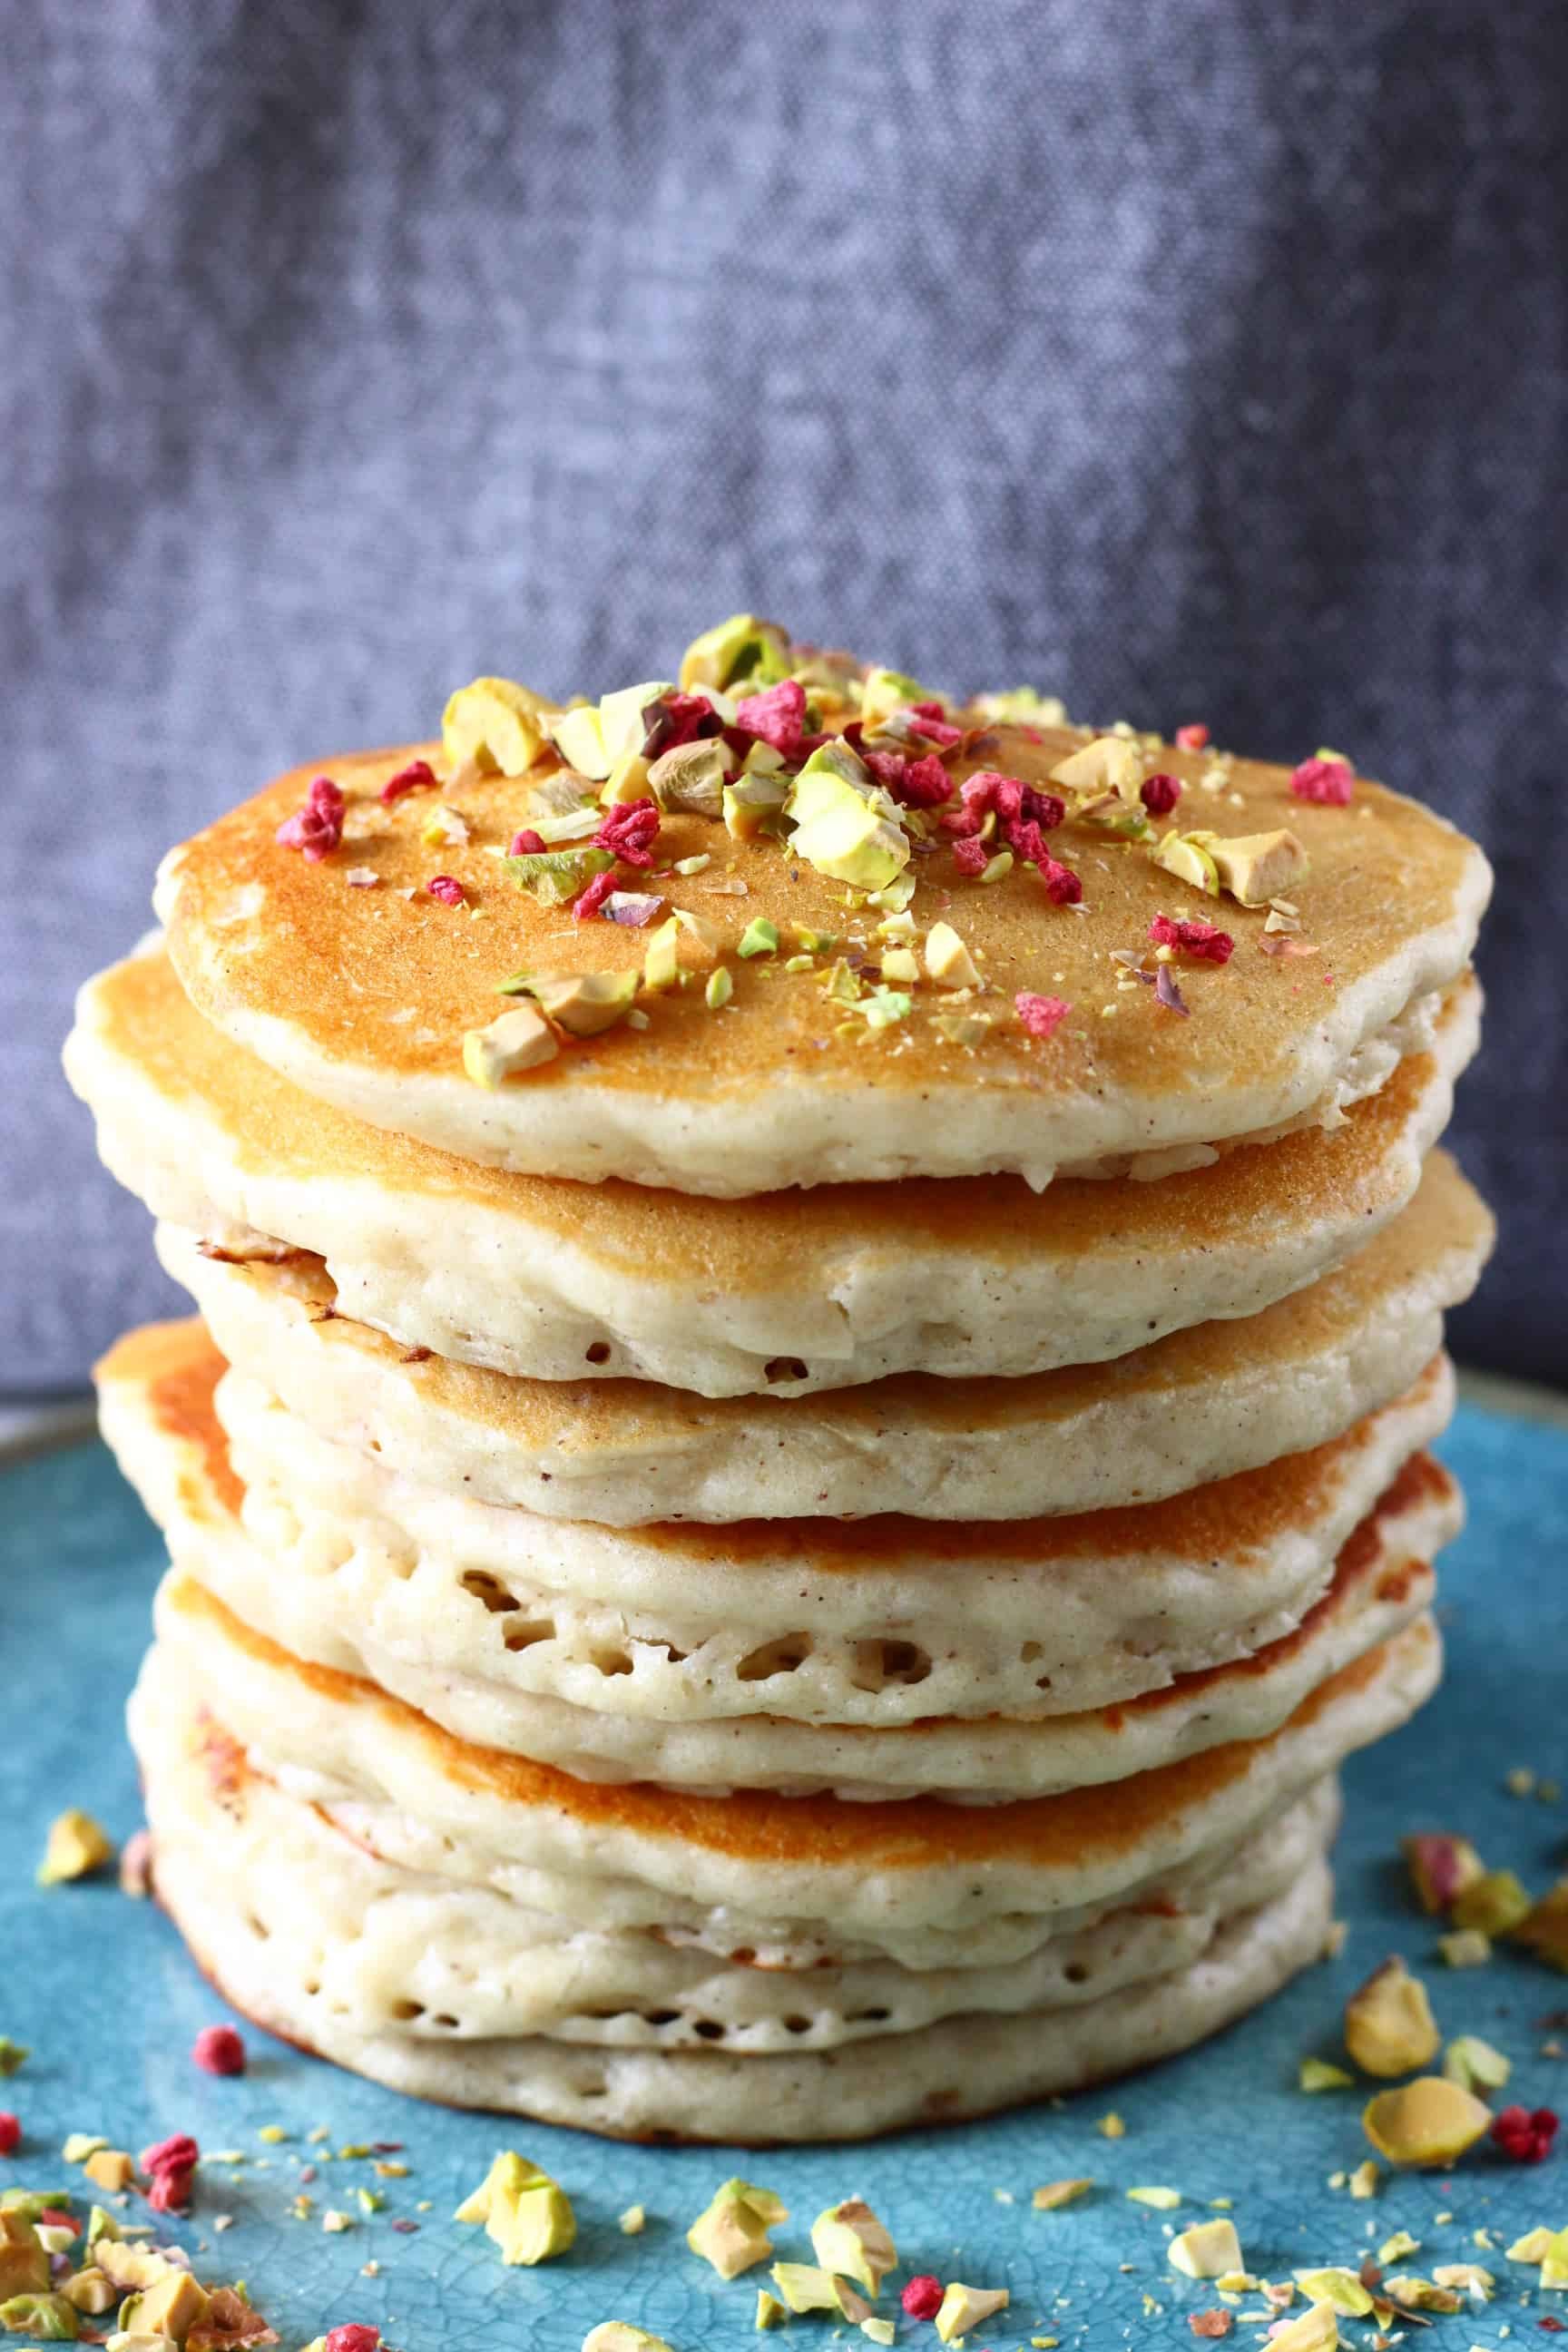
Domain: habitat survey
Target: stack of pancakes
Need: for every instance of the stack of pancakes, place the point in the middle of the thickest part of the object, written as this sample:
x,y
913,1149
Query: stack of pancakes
x,y
780,1573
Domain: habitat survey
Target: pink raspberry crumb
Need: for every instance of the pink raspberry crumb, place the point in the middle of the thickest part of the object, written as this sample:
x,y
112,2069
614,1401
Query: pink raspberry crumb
x,y
1063,888
1206,940
527,843
353,2338
629,831
1160,793
971,855
218,2050
587,903
1525,2134
318,828
1194,737
171,2165
1042,1016
776,717
10,2134
1330,782
418,776
921,2298
448,889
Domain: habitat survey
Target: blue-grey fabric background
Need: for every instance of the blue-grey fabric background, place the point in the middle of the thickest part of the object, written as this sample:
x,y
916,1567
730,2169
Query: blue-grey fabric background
x,y
1193,361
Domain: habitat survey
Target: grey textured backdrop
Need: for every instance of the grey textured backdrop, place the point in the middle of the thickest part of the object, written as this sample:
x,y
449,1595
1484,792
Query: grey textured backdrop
x,y
1193,361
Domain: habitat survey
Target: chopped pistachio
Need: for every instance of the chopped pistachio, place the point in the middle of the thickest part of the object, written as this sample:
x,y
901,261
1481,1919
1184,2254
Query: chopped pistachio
x,y
849,2238
629,781
526,2212
896,894
555,875
881,2331
1421,2294
948,960
334,2222
690,865
901,966
1164,2200
620,2335
1496,1903
47,2318
1021,705
731,2231
844,824
760,938
1474,2064
1544,1932
1112,2127
1364,2179
1389,2025
573,825
1189,861
494,724
1395,2248
171,2306
1468,2277
962,1028
583,1003
661,958
1554,2261
690,777
1208,2249
770,2312
754,807
109,2168
800,963
1427,2122
1054,2194
741,650
633,2221
88,2291
1441,1868
1341,2288
886,690
884,1006
12,2056
1255,866
996,867
24,2264
517,1040
1465,1948
1533,2247
963,2307
1316,2329
1108,764
80,2146
76,1846
841,984
1318,2074
806,2287
720,988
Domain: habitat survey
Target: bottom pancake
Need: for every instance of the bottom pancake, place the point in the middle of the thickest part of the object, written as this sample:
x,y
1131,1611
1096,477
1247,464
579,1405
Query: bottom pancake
x,y
439,1989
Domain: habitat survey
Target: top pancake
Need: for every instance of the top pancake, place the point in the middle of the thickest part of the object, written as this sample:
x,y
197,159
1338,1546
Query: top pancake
x,y
361,995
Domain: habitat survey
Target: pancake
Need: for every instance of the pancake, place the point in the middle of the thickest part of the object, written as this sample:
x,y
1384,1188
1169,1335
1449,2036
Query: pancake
x,y
1201,1404
887,1873
717,1661
781,1087
432,1990
392,1946
795,1291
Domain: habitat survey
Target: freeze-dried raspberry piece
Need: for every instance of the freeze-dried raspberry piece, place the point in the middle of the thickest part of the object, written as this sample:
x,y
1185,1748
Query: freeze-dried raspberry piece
x,y
1328,780
418,776
1062,885
318,828
1042,1016
527,843
777,715
921,2298
218,2050
1160,793
448,889
1206,940
1525,2134
971,855
629,832
587,903
1192,738
678,718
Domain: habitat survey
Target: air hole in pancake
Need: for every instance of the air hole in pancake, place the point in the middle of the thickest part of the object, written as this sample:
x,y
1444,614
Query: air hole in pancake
x,y
797,2025
707,2029
258,1929
1030,1652
786,1368
781,1656
524,1635
1076,1972
661,2017
405,2012
879,1663
313,1986
450,2023
870,2016
489,1590
599,1353
609,1662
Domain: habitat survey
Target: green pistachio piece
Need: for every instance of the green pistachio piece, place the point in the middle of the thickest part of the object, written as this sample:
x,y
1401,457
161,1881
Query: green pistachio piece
x,y
740,651
527,2213
760,938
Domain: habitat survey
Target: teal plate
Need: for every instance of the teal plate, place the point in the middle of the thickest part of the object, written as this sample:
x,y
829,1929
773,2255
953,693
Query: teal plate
x,y
101,1990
